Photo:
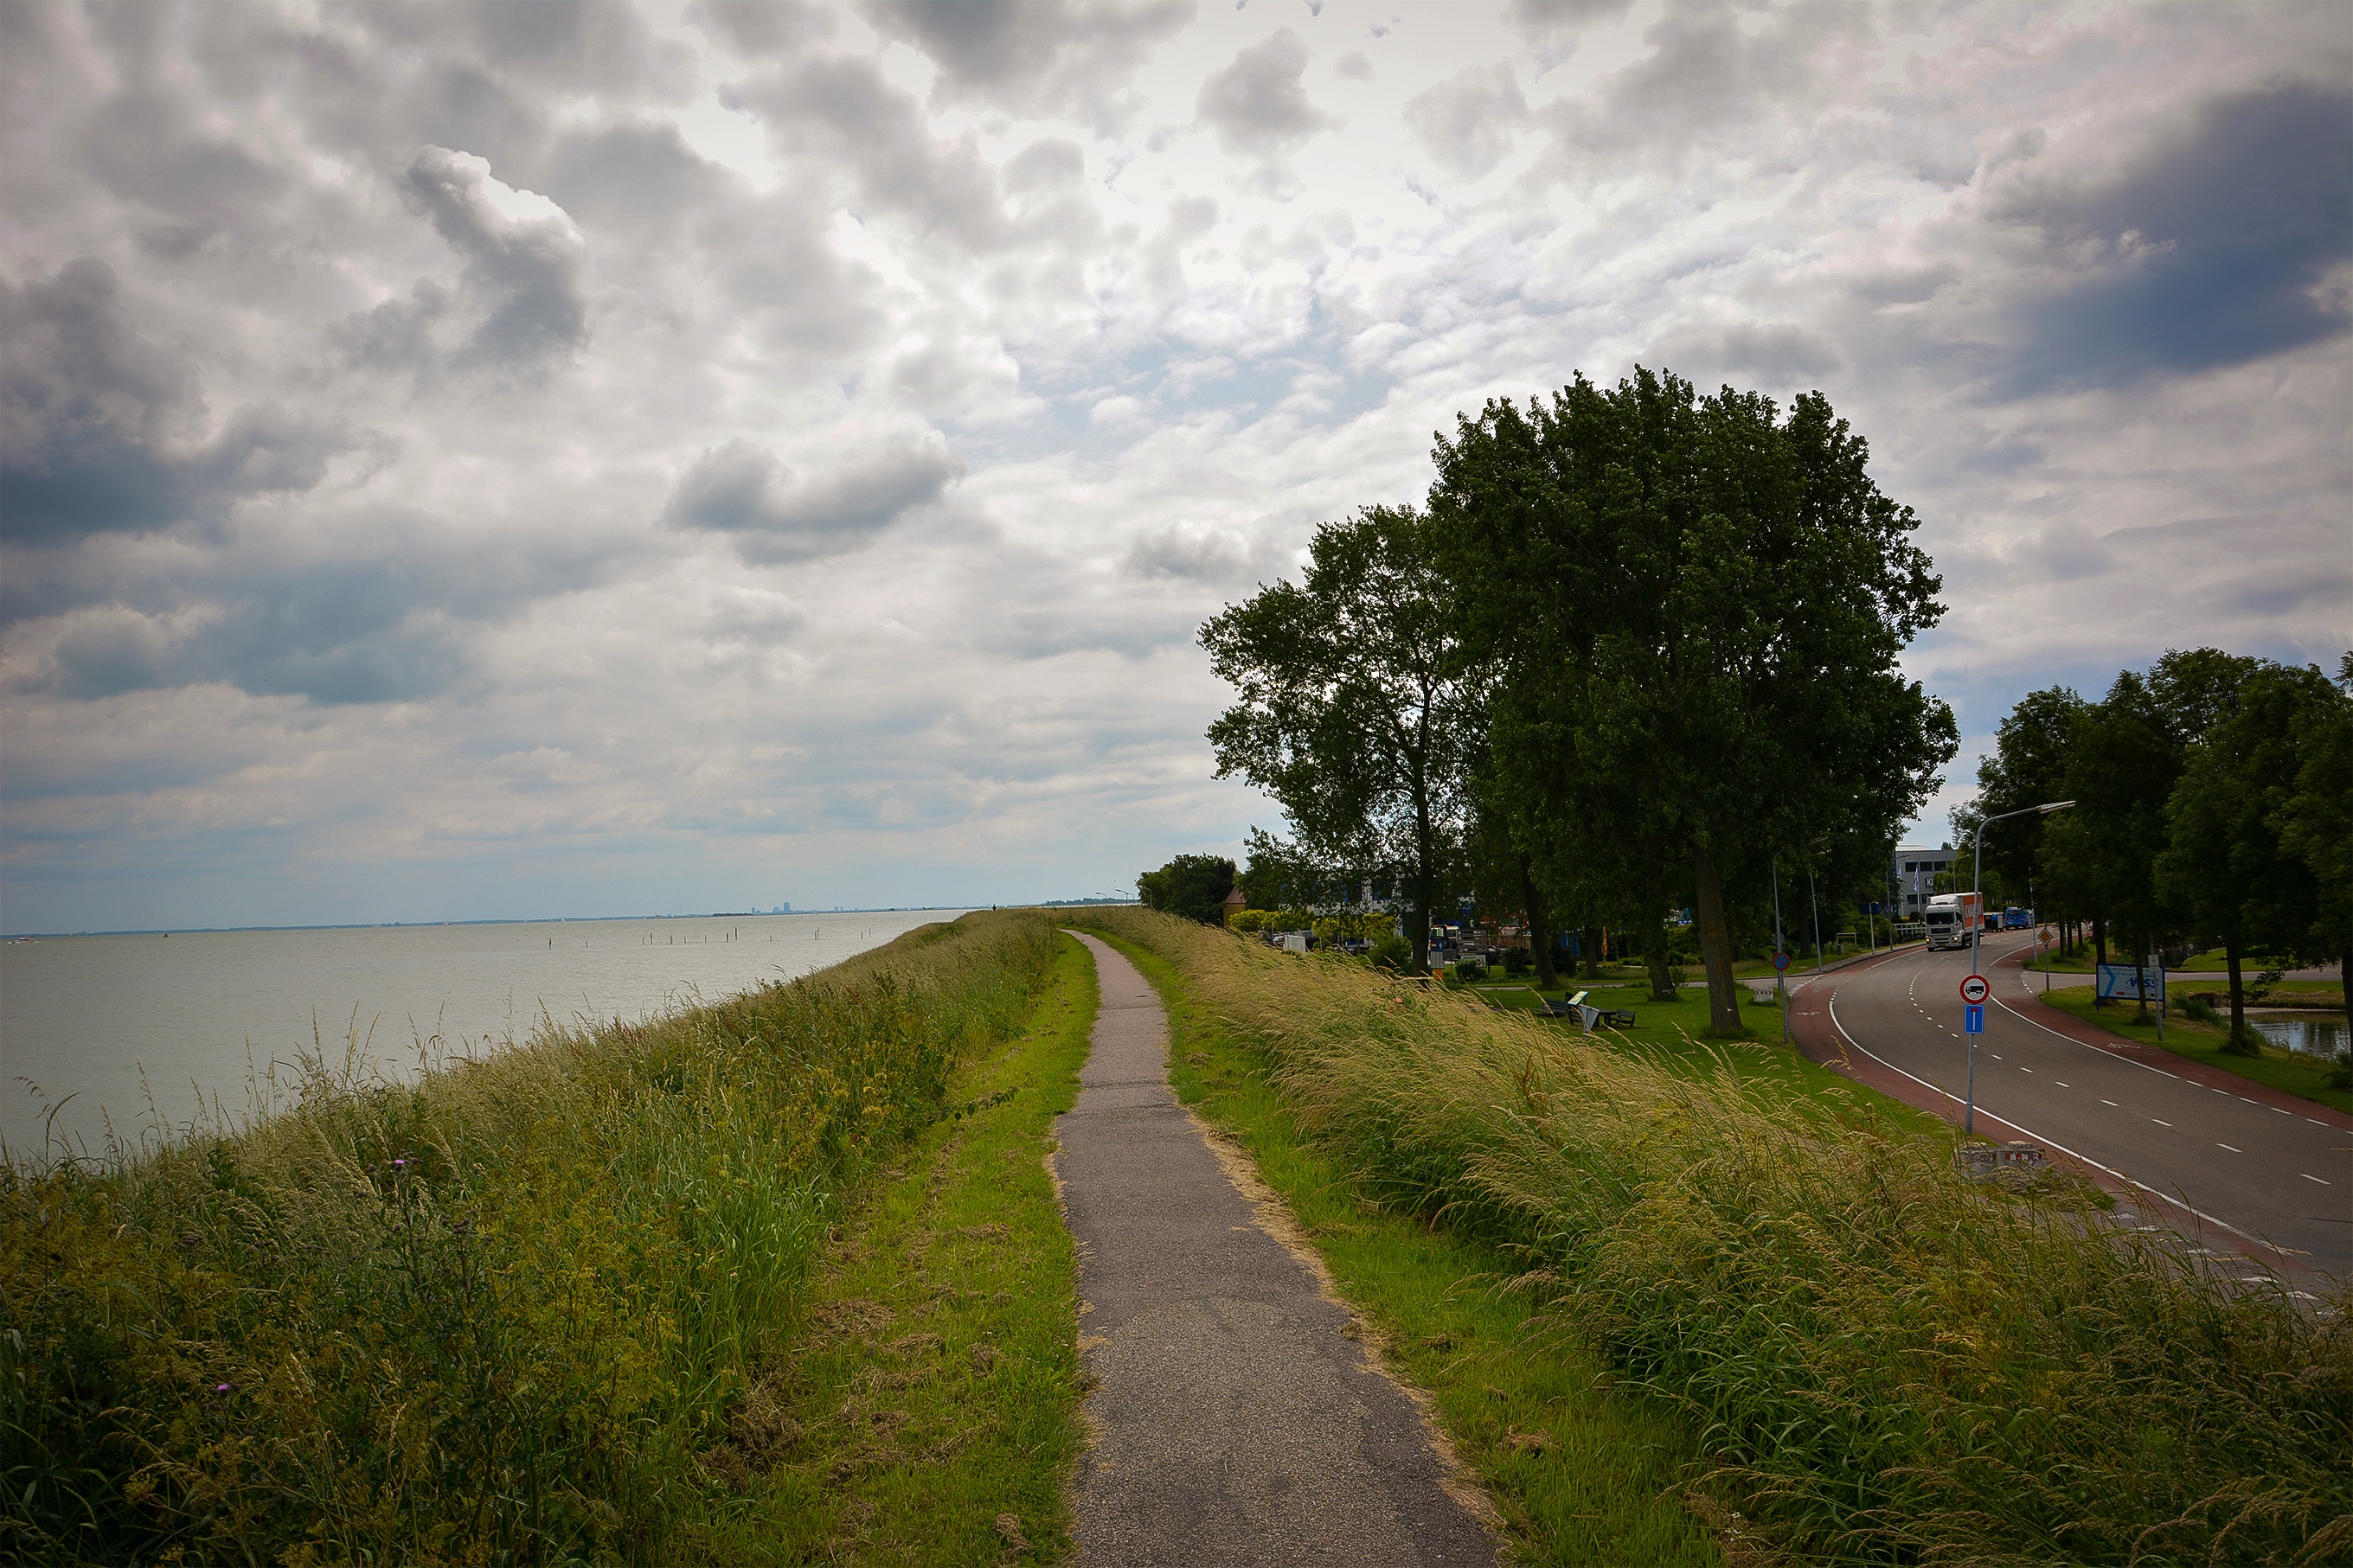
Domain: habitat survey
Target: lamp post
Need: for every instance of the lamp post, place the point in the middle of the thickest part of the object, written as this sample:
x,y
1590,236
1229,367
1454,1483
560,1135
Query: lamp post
x,y
1977,932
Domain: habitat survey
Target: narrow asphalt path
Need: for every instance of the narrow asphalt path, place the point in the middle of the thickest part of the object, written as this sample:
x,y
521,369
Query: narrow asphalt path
x,y
2264,1165
1234,1420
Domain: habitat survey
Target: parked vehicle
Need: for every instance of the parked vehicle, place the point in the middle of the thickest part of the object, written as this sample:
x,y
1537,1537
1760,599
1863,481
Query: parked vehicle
x,y
1953,919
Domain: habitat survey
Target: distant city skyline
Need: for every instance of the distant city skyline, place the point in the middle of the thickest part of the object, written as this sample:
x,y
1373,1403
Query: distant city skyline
x,y
477,461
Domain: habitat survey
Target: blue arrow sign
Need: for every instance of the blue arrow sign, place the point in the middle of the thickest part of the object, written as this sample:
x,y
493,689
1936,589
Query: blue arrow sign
x,y
1973,1021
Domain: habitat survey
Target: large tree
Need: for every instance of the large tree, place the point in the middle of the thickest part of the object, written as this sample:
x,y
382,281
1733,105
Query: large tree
x,y
2316,824
1353,712
2124,758
1194,886
2027,767
2224,864
1694,609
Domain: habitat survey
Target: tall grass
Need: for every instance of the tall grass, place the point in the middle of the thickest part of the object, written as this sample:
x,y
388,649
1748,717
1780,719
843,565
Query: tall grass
x,y
498,1315
1889,1363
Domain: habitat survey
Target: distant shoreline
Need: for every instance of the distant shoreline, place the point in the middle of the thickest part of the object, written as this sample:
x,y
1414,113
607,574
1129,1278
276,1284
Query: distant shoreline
x,y
558,920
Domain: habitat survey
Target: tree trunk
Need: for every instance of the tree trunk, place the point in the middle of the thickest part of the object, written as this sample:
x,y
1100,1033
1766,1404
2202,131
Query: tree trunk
x,y
1591,942
2099,956
2238,1044
1715,946
2140,987
1423,898
1539,933
1654,958
2344,983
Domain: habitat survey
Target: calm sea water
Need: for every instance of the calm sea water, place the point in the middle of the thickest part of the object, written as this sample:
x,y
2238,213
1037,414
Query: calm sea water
x,y
149,1032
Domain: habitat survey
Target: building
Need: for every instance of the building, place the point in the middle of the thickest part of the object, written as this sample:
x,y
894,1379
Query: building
x,y
1915,877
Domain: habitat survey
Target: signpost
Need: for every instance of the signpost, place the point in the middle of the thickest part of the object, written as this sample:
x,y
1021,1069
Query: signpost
x,y
1975,989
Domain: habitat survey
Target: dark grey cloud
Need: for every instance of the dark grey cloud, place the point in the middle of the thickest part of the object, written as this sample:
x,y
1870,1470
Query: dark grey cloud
x,y
756,27
95,416
1468,121
2212,246
1258,104
835,110
774,515
1189,553
522,263
641,177
384,607
1041,55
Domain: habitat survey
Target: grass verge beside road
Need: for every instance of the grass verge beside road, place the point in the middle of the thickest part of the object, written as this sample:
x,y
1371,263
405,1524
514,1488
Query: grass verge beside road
x,y
1886,1362
2294,1072
1582,1472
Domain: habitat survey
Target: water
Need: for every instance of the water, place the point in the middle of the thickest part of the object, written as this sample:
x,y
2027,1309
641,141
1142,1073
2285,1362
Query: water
x,y
86,1015
2314,1037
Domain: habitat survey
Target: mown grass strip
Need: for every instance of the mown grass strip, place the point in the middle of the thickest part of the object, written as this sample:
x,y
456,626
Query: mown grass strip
x,y
1581,1472
930,1411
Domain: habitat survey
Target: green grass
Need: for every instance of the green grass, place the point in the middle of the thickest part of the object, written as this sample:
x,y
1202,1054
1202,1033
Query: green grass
x,y
516,1311
2295,1073
1581,1471
1882,1361
936,1385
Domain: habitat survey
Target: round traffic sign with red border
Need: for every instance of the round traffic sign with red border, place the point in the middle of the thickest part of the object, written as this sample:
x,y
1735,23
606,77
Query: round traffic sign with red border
x,y
1780,960
1976,988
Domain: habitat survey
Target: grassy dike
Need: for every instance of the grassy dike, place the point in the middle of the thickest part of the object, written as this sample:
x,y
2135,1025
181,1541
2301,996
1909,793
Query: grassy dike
x,y
631,1295
1870,1357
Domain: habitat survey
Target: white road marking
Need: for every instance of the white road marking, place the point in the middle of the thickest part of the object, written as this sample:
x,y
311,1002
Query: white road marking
x,y
2160,1120
2233,1150
2310,1178
2063,1085
2111,1102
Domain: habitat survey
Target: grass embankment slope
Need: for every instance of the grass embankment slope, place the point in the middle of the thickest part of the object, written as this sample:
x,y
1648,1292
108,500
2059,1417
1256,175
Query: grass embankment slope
x,y
581,1301
1873,1359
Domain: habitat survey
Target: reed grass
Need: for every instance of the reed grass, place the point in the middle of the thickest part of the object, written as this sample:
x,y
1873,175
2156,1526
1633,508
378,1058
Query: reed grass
x,y
499,1314
1886,1362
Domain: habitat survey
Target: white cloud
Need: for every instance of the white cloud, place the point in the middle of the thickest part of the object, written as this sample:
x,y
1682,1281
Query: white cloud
x,y
495,461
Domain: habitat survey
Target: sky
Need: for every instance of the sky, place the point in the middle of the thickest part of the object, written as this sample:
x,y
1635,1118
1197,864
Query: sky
x,y
522,459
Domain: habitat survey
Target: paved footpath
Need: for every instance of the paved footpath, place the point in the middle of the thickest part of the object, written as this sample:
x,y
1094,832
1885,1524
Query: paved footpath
x,y
1234,1420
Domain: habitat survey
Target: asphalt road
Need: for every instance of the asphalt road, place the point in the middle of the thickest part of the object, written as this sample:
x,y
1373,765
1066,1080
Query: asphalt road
x,y
2253,1161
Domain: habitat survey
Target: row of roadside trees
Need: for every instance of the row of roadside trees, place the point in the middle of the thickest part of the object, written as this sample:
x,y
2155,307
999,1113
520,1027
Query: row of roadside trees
x,y
2214,804
1636,652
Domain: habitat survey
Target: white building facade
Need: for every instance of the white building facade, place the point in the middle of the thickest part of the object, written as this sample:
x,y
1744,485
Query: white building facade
x,y
1915,877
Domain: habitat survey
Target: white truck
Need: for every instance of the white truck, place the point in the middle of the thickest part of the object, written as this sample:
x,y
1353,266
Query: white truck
x,y
1953,918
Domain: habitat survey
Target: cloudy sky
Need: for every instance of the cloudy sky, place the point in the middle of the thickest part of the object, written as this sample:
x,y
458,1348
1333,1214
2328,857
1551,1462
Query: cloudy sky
x,y
465,461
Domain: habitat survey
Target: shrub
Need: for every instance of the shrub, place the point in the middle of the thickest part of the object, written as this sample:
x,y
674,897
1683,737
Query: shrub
x,y
1470,969
1517,961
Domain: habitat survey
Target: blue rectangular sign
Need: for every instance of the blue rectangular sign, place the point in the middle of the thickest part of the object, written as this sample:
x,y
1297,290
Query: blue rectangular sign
x,y
1974,1022
2122,982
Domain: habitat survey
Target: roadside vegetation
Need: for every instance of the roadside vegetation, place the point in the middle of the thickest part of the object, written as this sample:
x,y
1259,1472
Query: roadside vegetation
x,y
554,1305
1873,1359
2314,1077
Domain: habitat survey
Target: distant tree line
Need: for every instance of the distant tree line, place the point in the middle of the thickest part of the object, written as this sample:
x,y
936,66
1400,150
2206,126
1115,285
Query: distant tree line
x,y
1636,653
2214,805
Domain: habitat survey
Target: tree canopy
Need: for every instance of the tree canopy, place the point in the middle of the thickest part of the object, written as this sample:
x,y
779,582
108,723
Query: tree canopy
x,y
1353,710
1688,611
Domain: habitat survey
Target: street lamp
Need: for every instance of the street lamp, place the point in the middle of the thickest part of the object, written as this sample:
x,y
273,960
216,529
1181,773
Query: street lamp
x,y
1977,932
1977,865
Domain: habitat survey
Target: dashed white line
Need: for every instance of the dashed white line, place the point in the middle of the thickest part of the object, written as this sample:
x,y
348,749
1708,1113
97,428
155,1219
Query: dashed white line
x,y
2160,1120
2233,1150
2312,1178
2111,1102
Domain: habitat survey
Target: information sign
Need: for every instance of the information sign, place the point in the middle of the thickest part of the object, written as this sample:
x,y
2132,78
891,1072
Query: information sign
x,y
1973,1019
1976,988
